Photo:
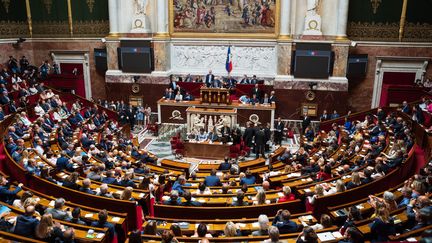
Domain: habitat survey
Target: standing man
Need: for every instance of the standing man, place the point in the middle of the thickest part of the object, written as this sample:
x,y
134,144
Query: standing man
x,y
209,79
248,134
279,127
305,122
173,84
256,91
259,142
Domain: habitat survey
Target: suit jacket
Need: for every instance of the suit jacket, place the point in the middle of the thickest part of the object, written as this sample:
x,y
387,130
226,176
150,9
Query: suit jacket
x,y
285,227
257,92
58,214
212,180
26,225
209,79
279,126
173,85
306,122
248,135
259,138
7,195
272,98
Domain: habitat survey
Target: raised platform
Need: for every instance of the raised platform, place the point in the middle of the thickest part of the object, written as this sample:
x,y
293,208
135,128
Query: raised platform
x,y
170,111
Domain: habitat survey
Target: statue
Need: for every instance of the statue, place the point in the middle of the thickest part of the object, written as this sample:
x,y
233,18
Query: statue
x,y
312,6
140,23
312,19
140,7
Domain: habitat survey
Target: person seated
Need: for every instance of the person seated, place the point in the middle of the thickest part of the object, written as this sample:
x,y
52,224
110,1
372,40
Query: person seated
x,y
189,202
178,97
212,135
202,135
239,200
263,223
245,80
201,231
274,235
325,222
248,179
231,230
230,82
308,235
178,185
382,226
103,191
86,183
288,196
103,223
260,198
244,99
265,100
188,97
76,216
7,195
335,115
57,212
25,224
174,199
254,100
283,222
226,165
212,179
47,231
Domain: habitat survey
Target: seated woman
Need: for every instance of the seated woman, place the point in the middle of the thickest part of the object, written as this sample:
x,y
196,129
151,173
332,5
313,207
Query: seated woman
x,y
231,230
260,198
355,181
288,196
48,231
325,222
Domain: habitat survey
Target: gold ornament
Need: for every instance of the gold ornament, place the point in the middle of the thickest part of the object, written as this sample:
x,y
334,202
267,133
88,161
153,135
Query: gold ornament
x,y
90,4
48,5
375,5
135,88
310,95
6,4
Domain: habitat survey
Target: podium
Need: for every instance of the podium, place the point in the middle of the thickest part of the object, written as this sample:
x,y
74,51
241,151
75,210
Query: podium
x,y
215,96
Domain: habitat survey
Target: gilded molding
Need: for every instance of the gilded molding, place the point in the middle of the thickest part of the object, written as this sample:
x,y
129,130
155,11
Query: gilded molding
x,y
91,28
389,31
373,31
12,29
51,29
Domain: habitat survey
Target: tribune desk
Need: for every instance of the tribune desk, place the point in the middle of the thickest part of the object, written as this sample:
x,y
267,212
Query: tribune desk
x,y
206,150
170,111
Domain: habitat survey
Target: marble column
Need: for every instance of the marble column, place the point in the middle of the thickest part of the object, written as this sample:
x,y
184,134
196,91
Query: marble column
x,y
284,58
161,54
285,19
342,19
341,59
162,18
111,46
113,18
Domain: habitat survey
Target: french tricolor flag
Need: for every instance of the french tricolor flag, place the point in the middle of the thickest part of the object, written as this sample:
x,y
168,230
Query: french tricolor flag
x,y
228,64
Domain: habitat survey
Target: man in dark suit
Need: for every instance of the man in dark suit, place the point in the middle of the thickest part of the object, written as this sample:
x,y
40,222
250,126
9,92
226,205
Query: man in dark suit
x,y
256,91
173,84
226,133
6,195
26,224
212,179
305,122
188,197
324,116
248,134
272,97
103,223
254,80
259,143
245,80
230,82
267,136
283,222
216,83
279,127
209,79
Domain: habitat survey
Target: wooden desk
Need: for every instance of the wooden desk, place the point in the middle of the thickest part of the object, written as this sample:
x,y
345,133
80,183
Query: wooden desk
x,y
215,95
170,111
206,150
